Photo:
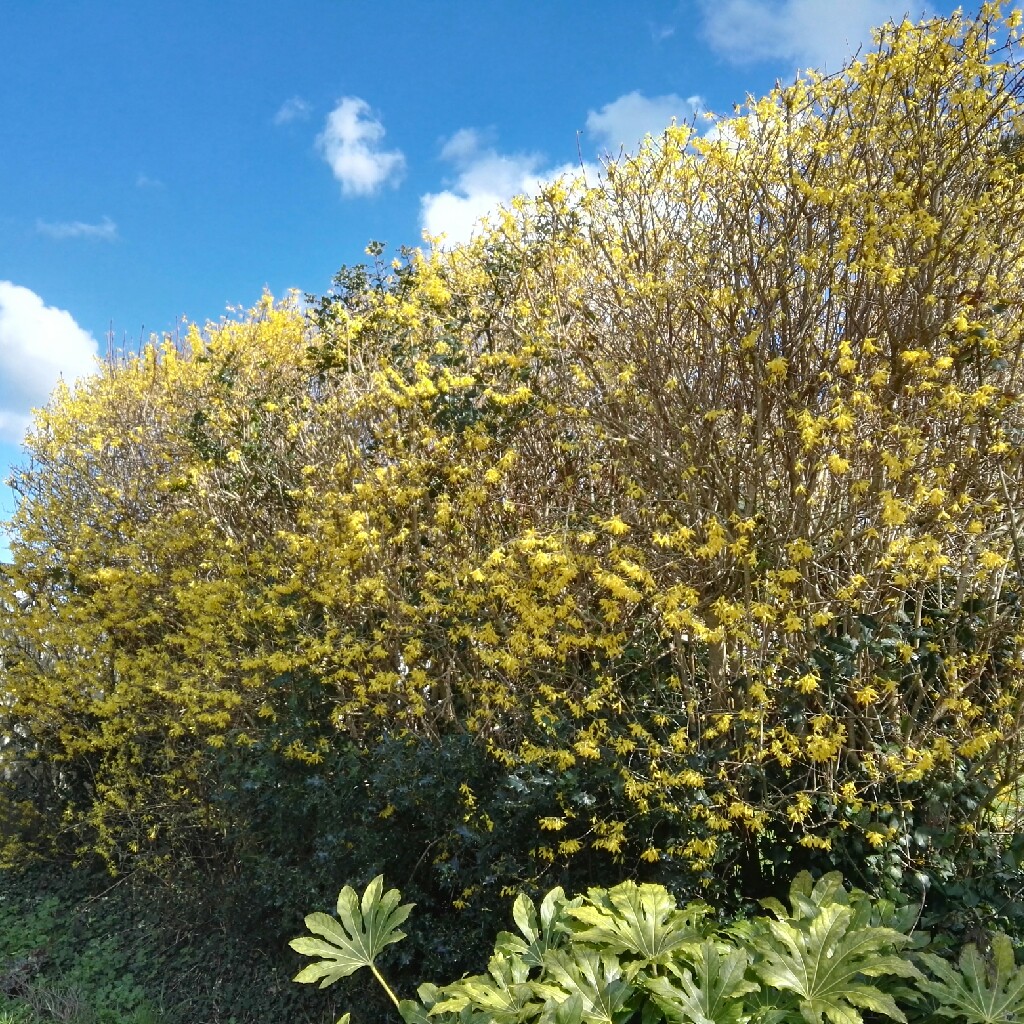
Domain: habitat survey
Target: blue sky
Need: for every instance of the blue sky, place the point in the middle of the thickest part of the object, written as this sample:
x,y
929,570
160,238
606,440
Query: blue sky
x,y
163,163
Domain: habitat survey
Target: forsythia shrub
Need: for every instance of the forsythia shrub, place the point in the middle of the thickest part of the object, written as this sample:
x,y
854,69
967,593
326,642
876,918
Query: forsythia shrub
x,y
694,490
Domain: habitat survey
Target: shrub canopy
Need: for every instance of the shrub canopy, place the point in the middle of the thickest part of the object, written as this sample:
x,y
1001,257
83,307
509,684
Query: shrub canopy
x,y
691,495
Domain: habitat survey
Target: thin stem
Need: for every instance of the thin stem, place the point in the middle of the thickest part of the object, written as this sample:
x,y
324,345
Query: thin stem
x,y
385,986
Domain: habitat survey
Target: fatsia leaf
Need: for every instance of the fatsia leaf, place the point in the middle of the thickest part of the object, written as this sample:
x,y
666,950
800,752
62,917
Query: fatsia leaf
x,y
567,1011
363,928
828,890
641,920
548,930
802,884
769,1006
651,1013
429,994
524,913
775,906
712,994
979,993
867,997
807,897
414,1013
422,1012
504,994
823,960
836,1012
596,979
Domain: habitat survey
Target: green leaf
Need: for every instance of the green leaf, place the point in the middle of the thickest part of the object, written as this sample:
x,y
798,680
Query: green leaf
x,y
979,993
595,979
414,1013
504,994
422,1012
822,960
551,930
769,1006
802,884
642,920
828,890
364,928
569,1011
429,994
807,897
712,994
524,913
777,907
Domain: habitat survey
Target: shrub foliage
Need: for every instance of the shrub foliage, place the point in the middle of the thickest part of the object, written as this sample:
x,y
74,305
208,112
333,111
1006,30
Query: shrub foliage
x,y
630,953
686,501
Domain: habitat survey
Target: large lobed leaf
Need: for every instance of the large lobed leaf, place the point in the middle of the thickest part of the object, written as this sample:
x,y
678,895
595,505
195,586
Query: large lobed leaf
x,y
504,995
979,993
592,983
548,929
641,920
713,993
823,960
363,928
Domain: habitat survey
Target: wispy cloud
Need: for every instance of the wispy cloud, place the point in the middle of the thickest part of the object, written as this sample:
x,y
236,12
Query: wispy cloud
x,y
145,181
351,145
809,33
484,181
105,231
39,345
294,109
627,120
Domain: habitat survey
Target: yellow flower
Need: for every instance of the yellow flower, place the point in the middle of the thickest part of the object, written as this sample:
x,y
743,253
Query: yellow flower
x,y
792,623
807,683
615,526
777,369
991,559
799,550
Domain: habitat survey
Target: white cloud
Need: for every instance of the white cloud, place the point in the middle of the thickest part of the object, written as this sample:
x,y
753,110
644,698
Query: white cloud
x,y
294,109
485,180
482,185
810,33
464,145
626,121
145,181
38,345
350,143
105,231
